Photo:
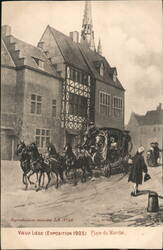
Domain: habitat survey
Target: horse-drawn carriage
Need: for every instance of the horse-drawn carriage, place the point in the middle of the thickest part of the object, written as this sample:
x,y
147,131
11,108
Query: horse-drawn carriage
x,y
111,150
107,150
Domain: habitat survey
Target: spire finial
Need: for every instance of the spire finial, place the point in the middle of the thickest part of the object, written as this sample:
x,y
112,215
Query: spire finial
x,y
99,48
87,33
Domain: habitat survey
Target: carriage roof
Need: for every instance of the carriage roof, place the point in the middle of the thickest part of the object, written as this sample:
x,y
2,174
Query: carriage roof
x,y
112,129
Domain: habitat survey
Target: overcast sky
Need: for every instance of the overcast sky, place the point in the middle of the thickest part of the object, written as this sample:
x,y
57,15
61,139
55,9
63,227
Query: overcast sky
x,y
130,32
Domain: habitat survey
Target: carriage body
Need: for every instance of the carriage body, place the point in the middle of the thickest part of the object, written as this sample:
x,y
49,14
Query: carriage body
x,y
116,154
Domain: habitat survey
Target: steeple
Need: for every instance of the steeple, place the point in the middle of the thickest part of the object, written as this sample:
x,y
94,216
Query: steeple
x,y
87,33
99,48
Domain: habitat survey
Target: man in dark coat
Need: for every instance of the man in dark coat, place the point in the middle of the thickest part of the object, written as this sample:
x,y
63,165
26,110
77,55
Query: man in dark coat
x,y
139,166
156,153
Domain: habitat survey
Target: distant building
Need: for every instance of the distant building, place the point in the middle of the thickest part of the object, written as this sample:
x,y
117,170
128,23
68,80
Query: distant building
x,y
147,128
50,92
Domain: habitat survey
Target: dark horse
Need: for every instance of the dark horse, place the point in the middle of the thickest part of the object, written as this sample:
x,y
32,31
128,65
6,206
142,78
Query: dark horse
x,y
57,162
22,152
75,163
40,165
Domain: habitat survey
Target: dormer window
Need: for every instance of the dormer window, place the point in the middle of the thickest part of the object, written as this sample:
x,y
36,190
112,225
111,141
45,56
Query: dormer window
x,y
113,74
99,65
101,69
39,62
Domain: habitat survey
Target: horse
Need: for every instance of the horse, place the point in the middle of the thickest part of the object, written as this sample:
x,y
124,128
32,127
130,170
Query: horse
x,y
53,163
22,152
75,163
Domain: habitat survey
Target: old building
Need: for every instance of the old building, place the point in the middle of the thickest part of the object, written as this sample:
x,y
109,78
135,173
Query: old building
x,y
147,128
31,90
50,92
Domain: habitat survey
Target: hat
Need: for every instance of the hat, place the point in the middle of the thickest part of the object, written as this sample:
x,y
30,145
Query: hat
x,y
141,149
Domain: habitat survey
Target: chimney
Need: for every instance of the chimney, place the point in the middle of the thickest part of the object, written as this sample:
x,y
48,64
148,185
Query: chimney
x,y
41,45
159,107
6,30
74,36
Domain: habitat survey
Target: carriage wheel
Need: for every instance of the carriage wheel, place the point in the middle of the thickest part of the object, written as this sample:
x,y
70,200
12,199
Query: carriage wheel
x,y
107,170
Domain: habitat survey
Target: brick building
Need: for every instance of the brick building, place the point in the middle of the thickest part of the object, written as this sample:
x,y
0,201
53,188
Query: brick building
x,y
147,128
51,91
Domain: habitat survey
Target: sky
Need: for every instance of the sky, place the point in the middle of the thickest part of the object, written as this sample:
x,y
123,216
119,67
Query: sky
x,y
130,33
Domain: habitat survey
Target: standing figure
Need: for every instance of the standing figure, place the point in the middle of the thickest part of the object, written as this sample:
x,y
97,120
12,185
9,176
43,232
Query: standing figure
x,y
91,134
156,153
138,167
151,156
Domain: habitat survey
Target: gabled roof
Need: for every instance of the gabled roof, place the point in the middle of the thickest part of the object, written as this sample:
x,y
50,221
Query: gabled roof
x,y
6,59
29,52
150,118
92,58
70,50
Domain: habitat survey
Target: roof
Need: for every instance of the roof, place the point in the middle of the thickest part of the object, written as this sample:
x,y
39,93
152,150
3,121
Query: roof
x,y
92,58
29,52
5,56
150,118
70,50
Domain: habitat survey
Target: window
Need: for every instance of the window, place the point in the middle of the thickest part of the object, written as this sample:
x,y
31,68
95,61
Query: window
x,y
114,76
36,102
102,69
117,106
54,108
104,103
77,105
68,72
42,138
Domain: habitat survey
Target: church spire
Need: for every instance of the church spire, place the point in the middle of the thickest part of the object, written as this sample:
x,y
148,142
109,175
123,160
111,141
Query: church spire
x,y
87,33
99,48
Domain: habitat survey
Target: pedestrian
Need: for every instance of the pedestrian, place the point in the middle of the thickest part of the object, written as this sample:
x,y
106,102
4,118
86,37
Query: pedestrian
x,y
150,155
138,167
156,153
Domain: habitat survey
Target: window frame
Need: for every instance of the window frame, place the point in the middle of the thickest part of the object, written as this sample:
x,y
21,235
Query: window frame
x,y
117,106
54,107
36,104
43,136
104,103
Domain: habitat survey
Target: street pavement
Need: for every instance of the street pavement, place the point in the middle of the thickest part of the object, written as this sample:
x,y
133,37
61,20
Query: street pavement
x,y
99,202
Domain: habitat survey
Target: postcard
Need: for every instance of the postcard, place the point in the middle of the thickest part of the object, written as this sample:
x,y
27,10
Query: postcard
x,y
81,125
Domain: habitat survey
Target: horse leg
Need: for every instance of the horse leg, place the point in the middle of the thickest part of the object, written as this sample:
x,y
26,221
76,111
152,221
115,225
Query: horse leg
x,y
31,172
84,175
43,180
75,177
49,179
37,184
25,181
61,176
57,183
39,181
